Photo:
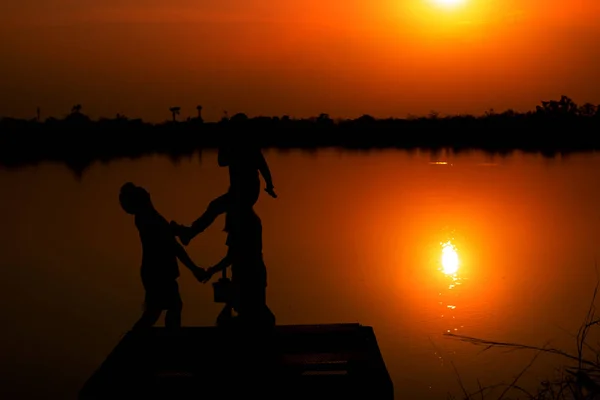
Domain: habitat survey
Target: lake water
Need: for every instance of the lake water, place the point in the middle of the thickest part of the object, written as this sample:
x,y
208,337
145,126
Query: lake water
x,y
353,237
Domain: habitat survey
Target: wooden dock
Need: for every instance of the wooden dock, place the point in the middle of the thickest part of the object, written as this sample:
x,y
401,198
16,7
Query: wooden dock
x,y
291,362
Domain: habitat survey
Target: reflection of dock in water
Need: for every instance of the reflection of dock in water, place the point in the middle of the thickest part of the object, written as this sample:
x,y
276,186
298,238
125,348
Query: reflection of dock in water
x,y
293,362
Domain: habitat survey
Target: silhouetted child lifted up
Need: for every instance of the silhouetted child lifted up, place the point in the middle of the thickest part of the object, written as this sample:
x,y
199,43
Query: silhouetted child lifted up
x,y
160,252
245,161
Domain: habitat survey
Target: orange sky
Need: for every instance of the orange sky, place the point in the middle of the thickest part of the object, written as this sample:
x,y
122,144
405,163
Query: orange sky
x,y
345,58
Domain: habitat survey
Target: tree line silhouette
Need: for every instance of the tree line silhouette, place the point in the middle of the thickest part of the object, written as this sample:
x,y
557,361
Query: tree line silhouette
x,y
555,126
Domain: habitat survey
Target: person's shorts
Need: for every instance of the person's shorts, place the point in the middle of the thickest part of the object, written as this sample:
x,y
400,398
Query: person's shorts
x,y
162,296
248,293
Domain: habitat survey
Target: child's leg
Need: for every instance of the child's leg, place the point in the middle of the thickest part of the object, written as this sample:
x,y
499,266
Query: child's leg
x,y
225,316
148,319
263,314
260,313
173,316
216,207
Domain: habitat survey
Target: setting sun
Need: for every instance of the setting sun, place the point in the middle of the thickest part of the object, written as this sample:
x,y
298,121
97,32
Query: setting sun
x,y
448,3
449,258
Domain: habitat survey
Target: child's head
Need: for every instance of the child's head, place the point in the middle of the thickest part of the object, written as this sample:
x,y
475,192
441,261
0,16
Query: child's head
x,y
133,198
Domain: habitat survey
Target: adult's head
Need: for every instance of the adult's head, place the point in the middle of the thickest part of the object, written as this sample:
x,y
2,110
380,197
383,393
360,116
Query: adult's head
x,y
236,131
133,198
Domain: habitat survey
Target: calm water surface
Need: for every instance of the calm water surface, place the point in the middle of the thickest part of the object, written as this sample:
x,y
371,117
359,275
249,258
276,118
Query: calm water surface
x,y
353,237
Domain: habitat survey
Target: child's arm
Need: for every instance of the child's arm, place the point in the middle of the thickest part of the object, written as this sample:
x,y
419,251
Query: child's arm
x,y
156,232
220,266
185,259
263,167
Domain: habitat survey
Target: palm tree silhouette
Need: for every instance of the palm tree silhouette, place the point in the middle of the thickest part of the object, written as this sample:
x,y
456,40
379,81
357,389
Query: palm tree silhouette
x,y
76,109
199,108
175,111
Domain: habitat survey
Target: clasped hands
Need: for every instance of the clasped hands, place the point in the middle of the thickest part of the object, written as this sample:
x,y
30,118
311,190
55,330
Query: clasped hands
x,y
203,275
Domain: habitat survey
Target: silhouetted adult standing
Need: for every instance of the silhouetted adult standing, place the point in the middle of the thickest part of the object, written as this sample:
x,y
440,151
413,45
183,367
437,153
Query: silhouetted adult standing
x,y
248,270
245,161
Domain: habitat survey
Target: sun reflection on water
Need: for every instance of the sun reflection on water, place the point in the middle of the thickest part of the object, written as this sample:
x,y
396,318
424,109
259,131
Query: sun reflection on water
x,y
450,260
449,266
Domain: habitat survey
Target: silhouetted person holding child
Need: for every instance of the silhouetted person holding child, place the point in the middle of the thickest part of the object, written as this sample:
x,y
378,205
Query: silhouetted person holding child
x,y
245,162
248,270
160,251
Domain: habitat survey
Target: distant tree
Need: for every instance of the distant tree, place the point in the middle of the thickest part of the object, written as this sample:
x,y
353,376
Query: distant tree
x,y
588,110
324,119
76,116
239,117
568,106
199,109
564,106
490,113
175,111
510,113
366,119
